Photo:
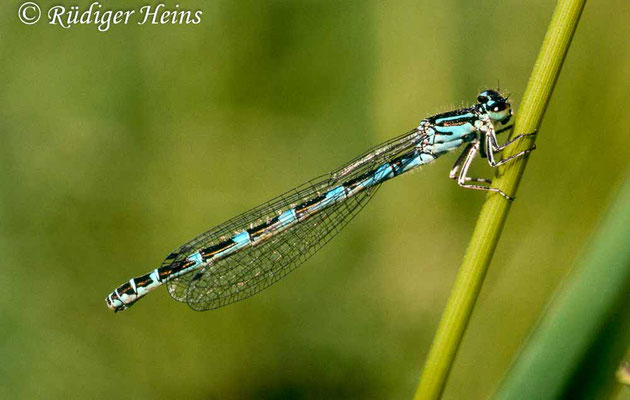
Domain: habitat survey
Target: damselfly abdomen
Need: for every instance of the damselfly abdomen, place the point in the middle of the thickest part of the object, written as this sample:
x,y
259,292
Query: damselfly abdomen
x,y
250,252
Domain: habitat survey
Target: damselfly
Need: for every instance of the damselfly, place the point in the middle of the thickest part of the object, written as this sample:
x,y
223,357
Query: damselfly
x,y
252,251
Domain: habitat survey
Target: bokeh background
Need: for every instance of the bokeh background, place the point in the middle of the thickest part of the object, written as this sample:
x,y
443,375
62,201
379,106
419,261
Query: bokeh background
x,y
117,147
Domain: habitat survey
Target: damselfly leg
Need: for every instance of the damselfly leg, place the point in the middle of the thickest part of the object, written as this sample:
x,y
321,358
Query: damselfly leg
x,y
493,147
460,169
463,164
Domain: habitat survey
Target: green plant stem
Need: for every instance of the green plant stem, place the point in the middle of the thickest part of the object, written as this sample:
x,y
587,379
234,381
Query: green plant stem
x,y
495,210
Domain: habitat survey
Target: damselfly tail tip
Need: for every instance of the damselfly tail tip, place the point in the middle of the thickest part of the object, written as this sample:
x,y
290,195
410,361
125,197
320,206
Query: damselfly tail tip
x,y
115,303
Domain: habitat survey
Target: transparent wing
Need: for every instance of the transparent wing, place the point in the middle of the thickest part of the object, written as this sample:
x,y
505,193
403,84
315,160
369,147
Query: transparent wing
x,y
251,270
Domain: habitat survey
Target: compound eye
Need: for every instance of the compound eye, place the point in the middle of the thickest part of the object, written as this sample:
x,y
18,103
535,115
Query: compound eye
x,y
498,106
482,99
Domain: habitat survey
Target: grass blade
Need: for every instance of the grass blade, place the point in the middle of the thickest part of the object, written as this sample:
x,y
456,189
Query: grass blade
x,y
579,343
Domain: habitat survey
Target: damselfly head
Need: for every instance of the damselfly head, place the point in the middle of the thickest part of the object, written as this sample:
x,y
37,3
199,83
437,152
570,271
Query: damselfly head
x,y
497,106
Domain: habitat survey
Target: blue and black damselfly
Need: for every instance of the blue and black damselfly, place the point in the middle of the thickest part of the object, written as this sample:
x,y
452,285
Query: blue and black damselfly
x,y
250,252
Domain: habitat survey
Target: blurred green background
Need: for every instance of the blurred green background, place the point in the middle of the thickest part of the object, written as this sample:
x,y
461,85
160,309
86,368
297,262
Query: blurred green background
x,y
117,147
